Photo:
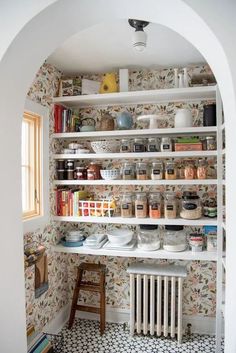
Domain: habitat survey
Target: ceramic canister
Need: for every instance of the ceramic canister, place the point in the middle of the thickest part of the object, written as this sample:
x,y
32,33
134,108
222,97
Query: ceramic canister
x,y
183,118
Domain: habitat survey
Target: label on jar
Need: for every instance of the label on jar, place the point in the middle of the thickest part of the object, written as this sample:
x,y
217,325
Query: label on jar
x,y
125,206
124,148
169,207
139,148
140,207
154,210
170,171
156,171
154,206
152,148
141,172
190,206
127,171
165,146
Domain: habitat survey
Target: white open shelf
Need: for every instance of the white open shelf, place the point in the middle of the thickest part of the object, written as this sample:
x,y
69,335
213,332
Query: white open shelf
x,y
134,133
139,97
137,182
158,254
134,155
120,220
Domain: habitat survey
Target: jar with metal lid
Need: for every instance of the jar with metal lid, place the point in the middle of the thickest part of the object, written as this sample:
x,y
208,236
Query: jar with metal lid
x,y
202,169
170,205
141,205
148,237
80,173
60,164
69,164
70,174
170,171
190,206
61,174
166,144
139,145
154,203
157,170
153,145
141,171
125,145
93,171
189,170
128,171
174,238
196,242
126,205
209,143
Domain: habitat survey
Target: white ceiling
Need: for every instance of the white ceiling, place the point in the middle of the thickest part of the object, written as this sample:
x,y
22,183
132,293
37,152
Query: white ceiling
x,y
108,46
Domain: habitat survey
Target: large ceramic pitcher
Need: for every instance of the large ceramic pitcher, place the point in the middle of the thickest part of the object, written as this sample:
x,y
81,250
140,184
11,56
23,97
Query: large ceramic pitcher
x,y
183,118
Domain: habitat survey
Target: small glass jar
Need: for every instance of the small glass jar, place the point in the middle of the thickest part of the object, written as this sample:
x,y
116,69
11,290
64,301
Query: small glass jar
x,y
126,205
69,164
189,170
157,170
141,205
170,171
174,238
196,242
154,205
60,164
209,143
153,145
93,171
141,171
202,169
139,145
212,208
70,174
125,145
166,144
61,174
128,171
170,206
148,237
190,206
80,173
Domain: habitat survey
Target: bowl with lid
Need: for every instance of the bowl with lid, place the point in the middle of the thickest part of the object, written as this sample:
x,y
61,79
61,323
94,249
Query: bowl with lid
x,y
108,146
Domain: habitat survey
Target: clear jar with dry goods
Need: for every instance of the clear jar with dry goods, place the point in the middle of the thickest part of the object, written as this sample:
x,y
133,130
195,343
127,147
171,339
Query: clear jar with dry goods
x,y
157,170
80,173
139,145
189,170
190,206
141,205
154,205
202,169
166,144
170,171
141,171
209,143
126,205
70,174
148,237
125,145
153,145
170,206
174,238
128,171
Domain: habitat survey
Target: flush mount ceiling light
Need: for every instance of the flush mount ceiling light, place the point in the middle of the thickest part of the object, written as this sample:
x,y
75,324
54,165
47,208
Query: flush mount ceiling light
x,y
139,36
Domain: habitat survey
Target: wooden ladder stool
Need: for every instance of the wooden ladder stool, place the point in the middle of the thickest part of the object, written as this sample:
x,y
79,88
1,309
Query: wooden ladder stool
x,y
90,287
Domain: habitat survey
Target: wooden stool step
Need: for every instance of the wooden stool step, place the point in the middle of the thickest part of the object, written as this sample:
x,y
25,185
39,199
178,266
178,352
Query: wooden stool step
x,y
90,287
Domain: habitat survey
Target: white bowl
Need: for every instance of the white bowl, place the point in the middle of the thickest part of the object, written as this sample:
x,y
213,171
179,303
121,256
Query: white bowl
x,y
110,174
120,236
108,146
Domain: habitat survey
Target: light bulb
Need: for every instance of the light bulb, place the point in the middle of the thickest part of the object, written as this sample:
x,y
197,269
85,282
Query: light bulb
x,y
139,40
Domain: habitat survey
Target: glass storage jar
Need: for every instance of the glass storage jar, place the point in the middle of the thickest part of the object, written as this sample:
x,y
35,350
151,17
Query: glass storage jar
x,y
80,173
70,174
128,171
157,170
139,145
153,145
190,206
141,171
126,205
93,171
170,205
166,144
154,205
170,171
189,170
174,238
148,237
141,205
202,169
209,143
125,145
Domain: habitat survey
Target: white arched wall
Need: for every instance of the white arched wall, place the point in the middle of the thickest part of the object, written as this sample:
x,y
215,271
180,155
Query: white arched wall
x,y
18,66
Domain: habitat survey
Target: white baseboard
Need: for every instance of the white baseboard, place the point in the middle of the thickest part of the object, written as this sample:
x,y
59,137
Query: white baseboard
x,y
199,324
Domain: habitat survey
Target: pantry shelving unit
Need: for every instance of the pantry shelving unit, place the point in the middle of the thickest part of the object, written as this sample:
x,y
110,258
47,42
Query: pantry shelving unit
x,y
190,94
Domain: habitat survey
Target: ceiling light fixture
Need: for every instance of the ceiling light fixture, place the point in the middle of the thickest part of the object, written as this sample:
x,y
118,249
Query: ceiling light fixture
x,y
139,36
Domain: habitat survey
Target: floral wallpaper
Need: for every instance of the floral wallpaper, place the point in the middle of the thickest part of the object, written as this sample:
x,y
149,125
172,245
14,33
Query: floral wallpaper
x,y
199,287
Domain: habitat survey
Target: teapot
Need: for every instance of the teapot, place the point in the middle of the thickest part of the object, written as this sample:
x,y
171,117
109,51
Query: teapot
x,y
183,118
124,121
107,122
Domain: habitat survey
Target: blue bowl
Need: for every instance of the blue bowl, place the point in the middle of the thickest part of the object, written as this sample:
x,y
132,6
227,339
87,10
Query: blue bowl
x,y
72,244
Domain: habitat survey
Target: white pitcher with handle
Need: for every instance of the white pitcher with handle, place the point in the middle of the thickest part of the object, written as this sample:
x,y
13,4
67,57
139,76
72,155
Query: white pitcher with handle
x,y
183,118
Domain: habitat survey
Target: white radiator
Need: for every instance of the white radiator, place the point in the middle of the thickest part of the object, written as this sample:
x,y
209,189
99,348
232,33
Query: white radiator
x,y
156,295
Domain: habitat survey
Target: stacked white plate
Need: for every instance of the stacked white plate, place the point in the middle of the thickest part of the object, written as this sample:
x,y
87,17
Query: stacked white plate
x,y
95,241
120,236
74,236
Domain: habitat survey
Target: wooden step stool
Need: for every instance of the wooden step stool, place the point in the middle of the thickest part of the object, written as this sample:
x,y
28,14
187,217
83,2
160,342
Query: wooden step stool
x,y
90,287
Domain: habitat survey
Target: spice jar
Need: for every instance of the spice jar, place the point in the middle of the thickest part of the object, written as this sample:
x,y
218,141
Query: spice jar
x,y
148,237
60,164
141,205
125,145
93,171
212,208
61,174
170,171
70,174
141,171
209,143
202,169
139,145
196,242
157,170
191,206
69,164
174,238
154,205
166,144
153,145
80,173
170,206
189,170
128,171
126,205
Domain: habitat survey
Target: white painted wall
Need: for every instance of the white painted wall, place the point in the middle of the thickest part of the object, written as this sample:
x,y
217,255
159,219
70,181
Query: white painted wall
x,y
17,69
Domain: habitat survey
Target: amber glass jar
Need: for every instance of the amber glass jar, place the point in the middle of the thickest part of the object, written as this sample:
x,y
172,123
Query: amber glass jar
x,y
93,171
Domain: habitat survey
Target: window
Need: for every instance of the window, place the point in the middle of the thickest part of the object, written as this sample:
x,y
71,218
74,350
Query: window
x,y
31,165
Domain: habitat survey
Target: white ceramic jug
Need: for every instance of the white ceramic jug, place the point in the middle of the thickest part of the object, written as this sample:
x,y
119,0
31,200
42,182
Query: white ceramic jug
x,y
183,118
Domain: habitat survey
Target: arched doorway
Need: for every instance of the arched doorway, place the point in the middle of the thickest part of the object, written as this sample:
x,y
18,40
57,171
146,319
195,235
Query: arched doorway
x,y
17,69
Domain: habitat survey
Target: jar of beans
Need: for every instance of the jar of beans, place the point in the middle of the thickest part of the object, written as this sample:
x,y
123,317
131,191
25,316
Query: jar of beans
x,y
126,205
189,170
141,205
154,205
141,171
170,171
202,169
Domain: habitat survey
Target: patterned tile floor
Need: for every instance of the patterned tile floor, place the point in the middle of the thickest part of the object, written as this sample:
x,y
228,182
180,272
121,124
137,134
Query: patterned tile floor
x,y
84,337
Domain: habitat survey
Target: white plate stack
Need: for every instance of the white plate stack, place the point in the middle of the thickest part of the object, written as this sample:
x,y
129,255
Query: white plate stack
x,y
95,241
